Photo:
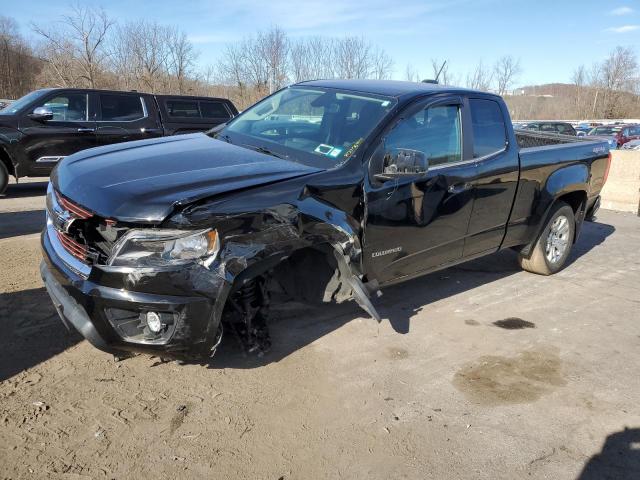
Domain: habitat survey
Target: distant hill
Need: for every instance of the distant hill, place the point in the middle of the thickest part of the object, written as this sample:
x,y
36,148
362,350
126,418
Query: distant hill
x,y
553,89
566,101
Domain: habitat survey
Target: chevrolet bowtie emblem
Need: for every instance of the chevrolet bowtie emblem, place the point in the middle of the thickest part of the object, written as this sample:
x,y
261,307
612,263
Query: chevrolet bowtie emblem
x,y
62,220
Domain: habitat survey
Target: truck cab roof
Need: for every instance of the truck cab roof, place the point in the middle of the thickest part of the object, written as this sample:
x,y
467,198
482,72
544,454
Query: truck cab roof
x,y
391,88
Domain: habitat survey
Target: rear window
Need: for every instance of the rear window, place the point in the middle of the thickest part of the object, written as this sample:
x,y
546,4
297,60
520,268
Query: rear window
x,y
213,110
121,108
489,133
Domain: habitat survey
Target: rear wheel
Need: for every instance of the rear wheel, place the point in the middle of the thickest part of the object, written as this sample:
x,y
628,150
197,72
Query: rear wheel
x,y
552,249
4,177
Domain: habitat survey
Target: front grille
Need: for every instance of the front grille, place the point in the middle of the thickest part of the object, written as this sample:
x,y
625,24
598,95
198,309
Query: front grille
x,y
83,234
75,210
74,248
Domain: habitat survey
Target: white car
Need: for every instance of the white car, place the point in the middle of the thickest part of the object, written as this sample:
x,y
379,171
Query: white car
x,y
631,145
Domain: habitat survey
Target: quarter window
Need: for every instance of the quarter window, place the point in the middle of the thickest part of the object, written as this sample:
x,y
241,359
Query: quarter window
x,y
434,131
489,133
71,107
121,108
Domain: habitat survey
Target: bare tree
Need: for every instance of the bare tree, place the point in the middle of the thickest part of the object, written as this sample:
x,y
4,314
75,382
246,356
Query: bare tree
x,y
411,74
353,57
480,78
18,66
618,74
273,48
580,95
80,40
181,57
381,65
505,71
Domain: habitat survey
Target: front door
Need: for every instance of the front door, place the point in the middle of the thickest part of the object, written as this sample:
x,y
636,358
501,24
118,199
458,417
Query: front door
x,y
419,194
71,129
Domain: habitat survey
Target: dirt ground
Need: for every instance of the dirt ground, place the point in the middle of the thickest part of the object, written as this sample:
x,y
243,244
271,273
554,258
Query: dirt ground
x,y
477,372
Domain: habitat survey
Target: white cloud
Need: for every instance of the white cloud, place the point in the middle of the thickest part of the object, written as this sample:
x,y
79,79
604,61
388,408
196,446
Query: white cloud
x,y
623,29
620,11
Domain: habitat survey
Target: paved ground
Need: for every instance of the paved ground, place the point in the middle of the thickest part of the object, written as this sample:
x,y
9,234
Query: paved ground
x,y
481,371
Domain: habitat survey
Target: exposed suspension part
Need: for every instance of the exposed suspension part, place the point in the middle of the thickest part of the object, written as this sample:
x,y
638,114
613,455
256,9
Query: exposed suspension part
x,y
248,316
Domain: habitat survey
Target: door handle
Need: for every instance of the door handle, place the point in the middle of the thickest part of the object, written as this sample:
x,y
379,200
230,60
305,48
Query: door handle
x,y
86,130
459,188
151,130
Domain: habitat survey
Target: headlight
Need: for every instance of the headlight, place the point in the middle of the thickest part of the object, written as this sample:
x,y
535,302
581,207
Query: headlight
x,y
160,248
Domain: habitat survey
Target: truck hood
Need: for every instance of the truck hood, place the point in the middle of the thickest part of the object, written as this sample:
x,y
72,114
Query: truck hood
x,y
144,181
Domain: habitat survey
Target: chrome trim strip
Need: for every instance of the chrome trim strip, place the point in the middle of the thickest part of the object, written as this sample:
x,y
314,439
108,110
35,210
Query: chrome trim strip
x,y
50,159
69,260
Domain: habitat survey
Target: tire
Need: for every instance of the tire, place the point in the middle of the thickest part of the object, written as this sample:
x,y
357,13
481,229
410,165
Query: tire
x,y
553,247
4,177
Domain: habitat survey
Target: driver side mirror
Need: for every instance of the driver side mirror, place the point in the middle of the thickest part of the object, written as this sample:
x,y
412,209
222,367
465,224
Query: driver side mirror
x,y
41,114
403,163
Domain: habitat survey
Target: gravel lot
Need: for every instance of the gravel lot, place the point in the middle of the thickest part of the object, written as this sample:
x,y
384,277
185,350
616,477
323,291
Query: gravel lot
x,y
479,371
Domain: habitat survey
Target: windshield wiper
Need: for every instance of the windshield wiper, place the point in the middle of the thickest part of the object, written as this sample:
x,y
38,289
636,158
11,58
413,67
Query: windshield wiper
x,y
264,150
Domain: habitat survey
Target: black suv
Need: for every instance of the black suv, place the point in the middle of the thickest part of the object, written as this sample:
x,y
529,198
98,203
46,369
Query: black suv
x,y
44,126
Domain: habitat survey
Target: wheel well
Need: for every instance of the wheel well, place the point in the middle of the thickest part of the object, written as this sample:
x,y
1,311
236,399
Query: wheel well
x,y
6,160
305,276
576,200
309,274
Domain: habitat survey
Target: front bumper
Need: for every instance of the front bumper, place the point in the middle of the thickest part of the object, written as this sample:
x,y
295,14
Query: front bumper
x,y
86,300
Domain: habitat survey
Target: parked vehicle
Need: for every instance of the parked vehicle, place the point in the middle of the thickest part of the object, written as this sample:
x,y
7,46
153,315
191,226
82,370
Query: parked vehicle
x,y
631,145
45,126
617,133
582,129
326,190
562,128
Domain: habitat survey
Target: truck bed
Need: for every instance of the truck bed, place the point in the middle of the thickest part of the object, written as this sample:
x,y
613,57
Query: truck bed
x,y
528,140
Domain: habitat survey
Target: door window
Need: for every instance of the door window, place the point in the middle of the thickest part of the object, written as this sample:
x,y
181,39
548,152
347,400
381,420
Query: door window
x,y
70,107
213,110
121,108
183,108
489,133
434,132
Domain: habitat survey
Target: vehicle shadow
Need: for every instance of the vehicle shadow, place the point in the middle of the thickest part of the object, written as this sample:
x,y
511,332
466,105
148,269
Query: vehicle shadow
x,y
26,189
619,458
14,224
398,304
32,331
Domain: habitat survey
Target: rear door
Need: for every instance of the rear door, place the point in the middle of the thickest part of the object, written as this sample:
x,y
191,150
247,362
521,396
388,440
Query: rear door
x,y
126,116
182,115
419,221
70,130
495,186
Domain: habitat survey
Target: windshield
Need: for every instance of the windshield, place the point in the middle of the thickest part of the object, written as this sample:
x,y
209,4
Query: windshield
x,y
604,131
321,127
19,104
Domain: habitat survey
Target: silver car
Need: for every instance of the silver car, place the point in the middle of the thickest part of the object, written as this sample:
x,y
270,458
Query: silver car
x,y
631,145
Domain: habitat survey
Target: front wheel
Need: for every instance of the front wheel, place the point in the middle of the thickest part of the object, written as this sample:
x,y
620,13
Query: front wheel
x,y
552,249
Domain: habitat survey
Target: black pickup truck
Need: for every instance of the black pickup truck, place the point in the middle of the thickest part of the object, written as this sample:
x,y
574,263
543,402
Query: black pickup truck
x,y
44,126
326,190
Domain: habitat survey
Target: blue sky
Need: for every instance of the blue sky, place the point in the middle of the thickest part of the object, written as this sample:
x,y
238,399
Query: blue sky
x,y
551,38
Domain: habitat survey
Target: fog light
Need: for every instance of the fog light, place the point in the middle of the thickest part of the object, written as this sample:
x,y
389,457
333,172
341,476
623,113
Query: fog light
x,y
153,322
